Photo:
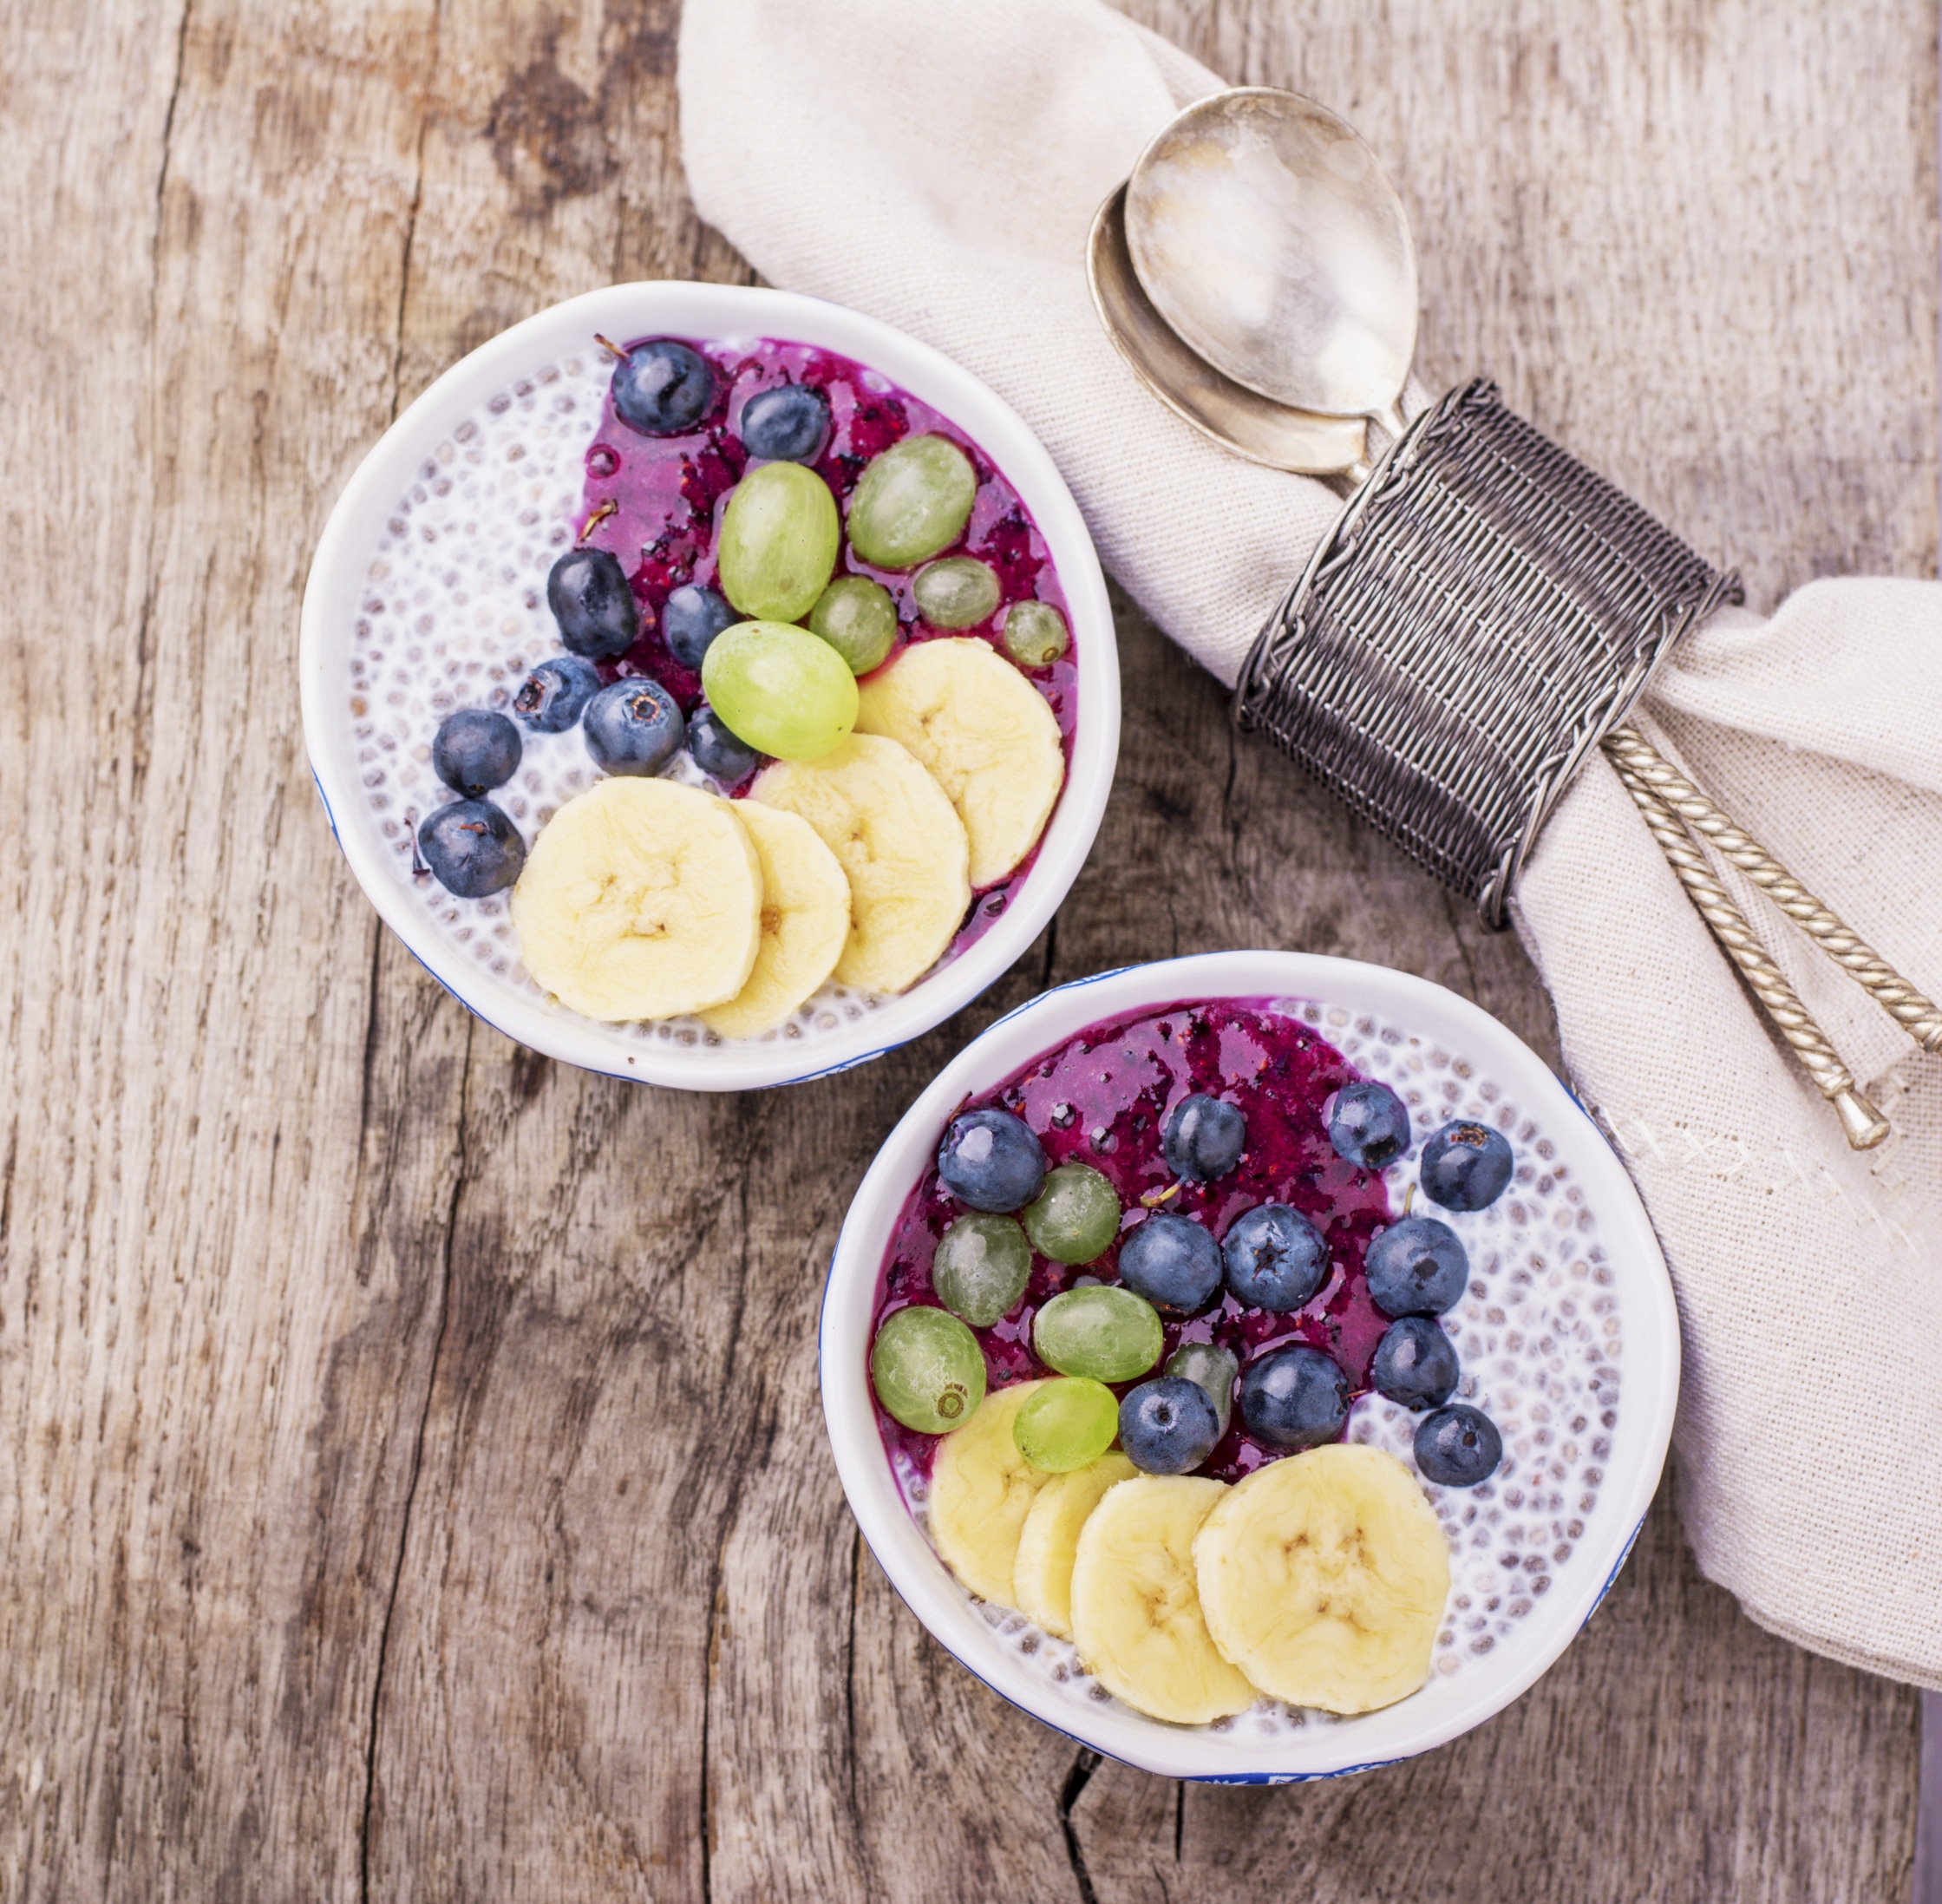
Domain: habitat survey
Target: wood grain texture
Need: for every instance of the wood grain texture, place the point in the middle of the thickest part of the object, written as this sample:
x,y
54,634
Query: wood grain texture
x,y
411,1474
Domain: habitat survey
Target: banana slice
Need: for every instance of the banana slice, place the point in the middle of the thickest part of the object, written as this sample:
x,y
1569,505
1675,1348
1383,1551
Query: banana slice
x,y
899,839
981,1490
984,731
1135,1609
1322,1577
805,920
1048,1542
641,899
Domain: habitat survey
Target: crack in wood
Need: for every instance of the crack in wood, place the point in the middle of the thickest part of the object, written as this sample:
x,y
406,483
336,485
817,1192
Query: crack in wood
x,y
1076,1780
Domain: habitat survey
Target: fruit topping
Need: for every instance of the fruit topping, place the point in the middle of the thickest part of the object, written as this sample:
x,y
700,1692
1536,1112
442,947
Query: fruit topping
x,y
1458,1446
1415,1363
981,1490
1296,1398
1275,1258
1205,1138
779,688
1075,1217
1049,1541
641,899
1173,1261
928,1370
991,1160
858,618
981,1267
1417,1267
1323,1578
1168,1426
472,849
1035,633
1464,1165
1068,1424
690,620
633,727
715,750
587,590
899,839
1214,1368
662,388
475,750
1104,1331
957,592
805,921
551,698
984,733
1368,1124
1136,1614
789,423
911,502
779,540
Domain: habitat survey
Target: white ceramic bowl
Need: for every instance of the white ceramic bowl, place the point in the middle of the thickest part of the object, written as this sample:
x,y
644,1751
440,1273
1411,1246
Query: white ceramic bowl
x,y
336,582
1445,1706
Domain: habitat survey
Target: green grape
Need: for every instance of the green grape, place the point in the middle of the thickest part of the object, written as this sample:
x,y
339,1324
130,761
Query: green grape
x,y
1066,1425
858,618
1211,1368
1035,634
981,1267
928,1370
779,541
778,689
957,592
1104,1331
1076,1216
911,502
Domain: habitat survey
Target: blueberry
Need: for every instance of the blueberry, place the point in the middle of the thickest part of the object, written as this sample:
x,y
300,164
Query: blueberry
x,y
788,424
1417,1267
475,750
1465,1167
717,752
1276,1258
472,849
632,727
1168,1426
662,388
1205,1138
1173,1262
1297,1398
1415,1363
588,593
1458,1446
691,619
551,697
1368,1124
989,1160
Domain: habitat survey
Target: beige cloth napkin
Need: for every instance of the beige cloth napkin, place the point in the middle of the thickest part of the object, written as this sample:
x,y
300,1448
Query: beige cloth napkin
x,y
937,164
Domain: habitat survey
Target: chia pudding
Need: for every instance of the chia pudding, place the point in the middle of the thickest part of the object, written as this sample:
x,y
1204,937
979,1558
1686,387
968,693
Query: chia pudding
x,y
1535,1328
455,615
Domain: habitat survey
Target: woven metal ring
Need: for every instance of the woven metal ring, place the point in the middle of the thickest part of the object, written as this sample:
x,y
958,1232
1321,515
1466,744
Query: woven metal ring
x,y
1484,613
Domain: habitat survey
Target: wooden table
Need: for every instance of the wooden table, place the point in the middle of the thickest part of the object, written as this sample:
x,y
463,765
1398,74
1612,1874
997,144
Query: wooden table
x,y
410,1466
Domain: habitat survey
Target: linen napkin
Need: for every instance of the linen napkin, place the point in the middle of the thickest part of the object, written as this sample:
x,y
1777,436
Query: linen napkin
x,y
938,164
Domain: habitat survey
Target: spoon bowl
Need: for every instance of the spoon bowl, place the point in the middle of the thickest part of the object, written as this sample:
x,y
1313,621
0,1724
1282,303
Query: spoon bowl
x,y
1268,238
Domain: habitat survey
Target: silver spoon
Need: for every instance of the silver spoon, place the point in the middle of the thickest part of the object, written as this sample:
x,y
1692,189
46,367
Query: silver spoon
x,y
1270,241
1235,418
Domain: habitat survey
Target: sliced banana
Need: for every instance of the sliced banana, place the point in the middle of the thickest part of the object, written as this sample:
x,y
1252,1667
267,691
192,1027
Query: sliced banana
x,y
981,1490
805,920
641,899
1135,1608
1048,1542
1322,1577
899,841
984,731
